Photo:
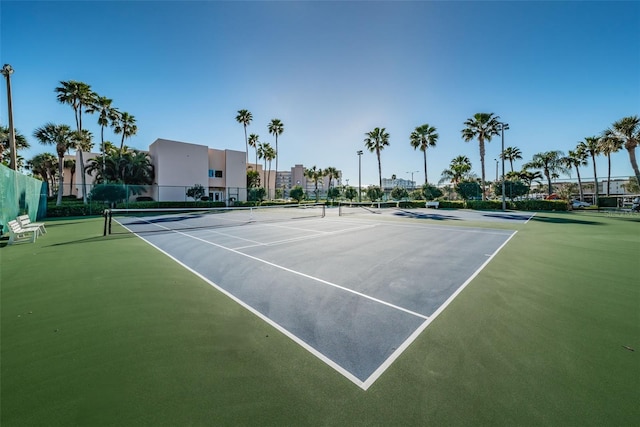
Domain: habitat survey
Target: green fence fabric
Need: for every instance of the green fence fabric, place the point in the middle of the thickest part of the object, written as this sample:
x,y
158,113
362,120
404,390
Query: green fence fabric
x,y
20,195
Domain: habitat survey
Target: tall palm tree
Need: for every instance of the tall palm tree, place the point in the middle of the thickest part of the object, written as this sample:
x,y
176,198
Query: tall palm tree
x,y
550,162
131,167
62,137
315,175
609,144
276,127
269,154
253,142
21,142
591,145
107,116
627,130
244,117
482,126
81,142
511,154
375,142
77,94
332,173
575,159
529,176
125,125
423,137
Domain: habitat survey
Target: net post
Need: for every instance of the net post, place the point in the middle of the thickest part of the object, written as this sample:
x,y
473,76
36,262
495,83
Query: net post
x,y
324,207
110,218
104,231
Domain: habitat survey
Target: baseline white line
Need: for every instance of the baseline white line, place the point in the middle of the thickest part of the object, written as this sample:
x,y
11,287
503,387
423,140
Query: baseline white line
x,y
529,219
385,365
266,319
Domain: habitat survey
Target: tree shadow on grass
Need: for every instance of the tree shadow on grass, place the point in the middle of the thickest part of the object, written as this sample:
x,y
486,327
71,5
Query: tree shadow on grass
x,y
421,215
562,220
510,217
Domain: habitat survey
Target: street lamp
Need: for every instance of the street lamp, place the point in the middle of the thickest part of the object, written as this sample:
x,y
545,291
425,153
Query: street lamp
x,y
359,175
413,184
502,127
7,70
496,160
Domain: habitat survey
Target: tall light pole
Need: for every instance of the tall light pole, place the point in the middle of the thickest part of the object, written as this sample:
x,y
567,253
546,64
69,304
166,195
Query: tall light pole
x,y
503,127
7,70
359,175
496,160
413,184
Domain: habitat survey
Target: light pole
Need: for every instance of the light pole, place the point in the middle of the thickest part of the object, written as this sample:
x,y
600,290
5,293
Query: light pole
x,y
413,184
496,160
359,175
502,128
7,70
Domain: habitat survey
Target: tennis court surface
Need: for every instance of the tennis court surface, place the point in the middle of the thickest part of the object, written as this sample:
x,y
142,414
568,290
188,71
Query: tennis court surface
x,y
353,291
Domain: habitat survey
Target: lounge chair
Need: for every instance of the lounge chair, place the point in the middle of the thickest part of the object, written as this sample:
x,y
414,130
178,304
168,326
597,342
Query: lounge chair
x,y
25,222
17,233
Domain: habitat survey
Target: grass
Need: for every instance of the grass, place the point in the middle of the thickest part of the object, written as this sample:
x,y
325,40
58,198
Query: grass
x,y
106,331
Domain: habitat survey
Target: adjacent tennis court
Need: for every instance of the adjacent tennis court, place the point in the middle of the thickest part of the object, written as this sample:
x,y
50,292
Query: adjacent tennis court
x,y
353,291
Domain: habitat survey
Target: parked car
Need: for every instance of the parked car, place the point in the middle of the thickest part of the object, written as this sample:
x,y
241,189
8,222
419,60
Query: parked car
x,y
577,204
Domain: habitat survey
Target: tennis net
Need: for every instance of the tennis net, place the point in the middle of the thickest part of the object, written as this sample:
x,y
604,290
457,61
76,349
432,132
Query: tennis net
x,y
351,208
168,219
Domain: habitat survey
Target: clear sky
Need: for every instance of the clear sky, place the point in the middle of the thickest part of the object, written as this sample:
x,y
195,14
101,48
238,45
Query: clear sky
x,y
557,72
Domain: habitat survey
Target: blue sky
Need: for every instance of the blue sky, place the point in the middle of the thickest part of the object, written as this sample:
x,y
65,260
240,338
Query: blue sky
x,y
557,72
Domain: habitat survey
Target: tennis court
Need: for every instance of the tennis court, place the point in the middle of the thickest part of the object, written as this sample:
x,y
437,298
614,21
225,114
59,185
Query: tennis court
x,y
352,290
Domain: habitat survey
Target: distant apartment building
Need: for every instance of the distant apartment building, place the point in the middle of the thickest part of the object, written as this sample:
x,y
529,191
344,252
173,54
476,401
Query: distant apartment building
x,y
180,165
391,183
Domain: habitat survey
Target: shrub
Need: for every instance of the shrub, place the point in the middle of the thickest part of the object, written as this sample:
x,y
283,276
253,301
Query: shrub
x,y
541,205
451,204
144,199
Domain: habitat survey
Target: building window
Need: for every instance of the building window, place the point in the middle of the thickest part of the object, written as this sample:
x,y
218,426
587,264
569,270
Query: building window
x,y
215,173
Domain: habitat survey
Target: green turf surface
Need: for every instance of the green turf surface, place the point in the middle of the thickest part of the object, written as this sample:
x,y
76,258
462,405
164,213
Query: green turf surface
x,y
108,331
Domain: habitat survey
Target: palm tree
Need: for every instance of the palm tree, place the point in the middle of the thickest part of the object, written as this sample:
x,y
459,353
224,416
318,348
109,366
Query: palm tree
x,y
459,169
244,117
61,136
77,94
627,130
81,142
375,141
482,126
130,167
609,145
269,154
550,162
511,154
21,142
107,116
575,159
276,127
44,166
423,137
332,173
529,176
253,142
71,165
315,175
591,145
125,125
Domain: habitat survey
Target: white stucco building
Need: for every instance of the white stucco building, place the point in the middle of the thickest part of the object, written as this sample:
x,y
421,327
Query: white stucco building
x,y
180,165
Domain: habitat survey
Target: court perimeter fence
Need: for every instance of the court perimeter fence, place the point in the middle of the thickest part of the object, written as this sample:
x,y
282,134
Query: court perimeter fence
x,y
20,195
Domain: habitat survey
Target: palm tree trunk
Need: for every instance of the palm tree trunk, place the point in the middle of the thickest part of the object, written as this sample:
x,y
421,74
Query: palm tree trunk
x,y
609,175
481,143
246,144
634,163
595,180
580,185
379,169
276,154
83,179
548,175
60,179
426,181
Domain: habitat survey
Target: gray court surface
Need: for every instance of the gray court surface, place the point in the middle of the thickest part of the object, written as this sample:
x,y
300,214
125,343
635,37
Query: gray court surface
x,y
352,290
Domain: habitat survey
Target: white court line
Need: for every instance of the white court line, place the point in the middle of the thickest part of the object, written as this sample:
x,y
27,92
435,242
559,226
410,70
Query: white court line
x,y
364,385
528,219
385,365
297,239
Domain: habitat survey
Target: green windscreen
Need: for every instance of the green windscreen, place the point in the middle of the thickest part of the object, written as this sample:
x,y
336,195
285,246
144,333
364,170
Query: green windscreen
x,y
20,195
